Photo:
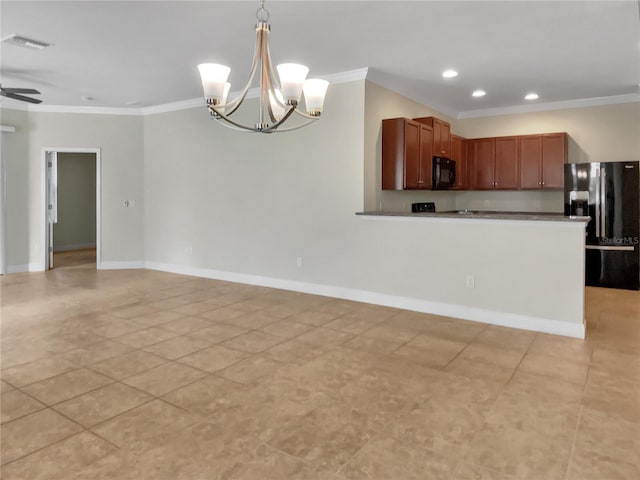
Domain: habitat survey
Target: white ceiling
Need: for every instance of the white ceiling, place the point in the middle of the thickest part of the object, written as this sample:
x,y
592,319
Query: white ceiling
x,y
147,51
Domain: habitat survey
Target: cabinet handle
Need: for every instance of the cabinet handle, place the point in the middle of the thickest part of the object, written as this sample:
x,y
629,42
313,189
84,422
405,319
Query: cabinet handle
x,y
542,183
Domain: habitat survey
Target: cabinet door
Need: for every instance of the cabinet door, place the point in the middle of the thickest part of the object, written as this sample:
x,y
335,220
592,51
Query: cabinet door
x,y
437,134
554,156
531,161
506,167
458,154
393,153
483,151
445,139
412,155
426,155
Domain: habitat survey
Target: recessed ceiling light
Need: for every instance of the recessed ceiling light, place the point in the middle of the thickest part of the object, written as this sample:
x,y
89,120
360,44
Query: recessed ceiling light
x,y
531,96
449,73
478,93
133,102
22,41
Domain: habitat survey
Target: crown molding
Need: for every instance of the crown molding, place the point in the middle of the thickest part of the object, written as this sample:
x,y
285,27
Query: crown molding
x,y
173,106
348,76
14,105
40,108
334,78
369,74
549,106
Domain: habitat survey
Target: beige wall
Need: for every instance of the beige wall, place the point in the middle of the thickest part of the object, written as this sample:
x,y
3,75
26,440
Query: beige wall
x,y
120,140
211,201
242,202
381,103
15,190
244,207
596,134
603,133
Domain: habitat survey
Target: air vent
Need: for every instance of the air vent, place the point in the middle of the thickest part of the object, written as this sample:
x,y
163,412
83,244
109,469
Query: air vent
x,y
25,42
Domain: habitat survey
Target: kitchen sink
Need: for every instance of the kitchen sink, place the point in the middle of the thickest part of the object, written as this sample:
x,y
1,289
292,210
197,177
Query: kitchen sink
x,y
467,212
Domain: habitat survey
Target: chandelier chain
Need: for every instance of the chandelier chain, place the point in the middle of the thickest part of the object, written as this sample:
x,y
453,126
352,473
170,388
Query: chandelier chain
x,y
262,14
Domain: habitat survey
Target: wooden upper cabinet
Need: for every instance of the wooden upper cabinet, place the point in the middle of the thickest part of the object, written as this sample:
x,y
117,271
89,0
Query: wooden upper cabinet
x,y
406,154
426,156
554,156
542,159
443,144
531,161
482,153
525,162
411,155
459,155
505,176
441,135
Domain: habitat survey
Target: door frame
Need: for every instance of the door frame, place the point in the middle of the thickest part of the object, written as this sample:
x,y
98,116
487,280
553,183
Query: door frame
x,y
3,224
44,182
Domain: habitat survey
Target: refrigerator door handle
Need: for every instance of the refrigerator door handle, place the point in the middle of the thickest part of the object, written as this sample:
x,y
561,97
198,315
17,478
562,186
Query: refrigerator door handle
x,y
610,248
598,203
603,201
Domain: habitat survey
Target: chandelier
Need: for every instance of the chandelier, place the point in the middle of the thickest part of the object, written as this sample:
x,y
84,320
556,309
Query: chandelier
x,y
279,96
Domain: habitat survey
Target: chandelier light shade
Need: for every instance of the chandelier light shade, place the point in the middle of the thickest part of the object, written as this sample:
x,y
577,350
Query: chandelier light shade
x,y
314,91
279,95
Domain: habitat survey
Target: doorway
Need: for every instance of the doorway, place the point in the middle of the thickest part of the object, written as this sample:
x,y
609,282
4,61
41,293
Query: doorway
x,y
71,215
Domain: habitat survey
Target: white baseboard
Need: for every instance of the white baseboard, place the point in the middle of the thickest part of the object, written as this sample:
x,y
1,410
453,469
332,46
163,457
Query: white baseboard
x,y
77,246
504,319
29,267
130,265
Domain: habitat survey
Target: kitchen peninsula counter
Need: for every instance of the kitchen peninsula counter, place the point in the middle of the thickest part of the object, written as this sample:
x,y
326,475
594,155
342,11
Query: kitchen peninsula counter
x,y
513,269
481,215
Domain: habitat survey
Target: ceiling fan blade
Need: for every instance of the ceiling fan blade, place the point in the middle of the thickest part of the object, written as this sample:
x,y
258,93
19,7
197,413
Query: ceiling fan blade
x,y
20,97
32,91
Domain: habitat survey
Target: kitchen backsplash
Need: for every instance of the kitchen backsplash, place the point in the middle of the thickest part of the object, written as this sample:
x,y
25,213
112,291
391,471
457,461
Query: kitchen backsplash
x,y
500,201
520,201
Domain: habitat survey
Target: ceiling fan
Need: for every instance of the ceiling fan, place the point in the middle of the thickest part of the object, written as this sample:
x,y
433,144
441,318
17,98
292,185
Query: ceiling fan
x,y
15,94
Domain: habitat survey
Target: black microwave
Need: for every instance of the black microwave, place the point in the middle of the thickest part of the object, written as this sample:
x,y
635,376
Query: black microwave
x,y
444,173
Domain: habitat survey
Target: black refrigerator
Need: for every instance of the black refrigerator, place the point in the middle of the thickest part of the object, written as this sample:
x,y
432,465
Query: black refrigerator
x,y
609,193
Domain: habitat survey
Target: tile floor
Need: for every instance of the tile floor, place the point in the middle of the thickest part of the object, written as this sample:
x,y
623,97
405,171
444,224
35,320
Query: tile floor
x,y
74,257
149,375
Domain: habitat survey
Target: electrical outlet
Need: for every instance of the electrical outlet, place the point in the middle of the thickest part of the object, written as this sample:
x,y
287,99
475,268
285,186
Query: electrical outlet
x,y
470,281
189,250
299,262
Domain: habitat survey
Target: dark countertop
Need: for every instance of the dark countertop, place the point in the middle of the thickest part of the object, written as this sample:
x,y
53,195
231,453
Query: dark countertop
x,y
483,215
